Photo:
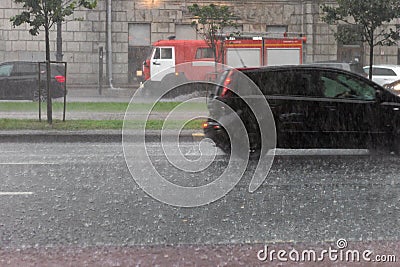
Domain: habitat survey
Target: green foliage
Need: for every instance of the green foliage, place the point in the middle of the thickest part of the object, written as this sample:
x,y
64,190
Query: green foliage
x,y
212,19
45,13
369,17
349,34
211,22
101,107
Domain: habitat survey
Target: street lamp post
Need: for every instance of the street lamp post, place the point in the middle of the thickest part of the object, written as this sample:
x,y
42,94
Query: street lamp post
x,y
59,53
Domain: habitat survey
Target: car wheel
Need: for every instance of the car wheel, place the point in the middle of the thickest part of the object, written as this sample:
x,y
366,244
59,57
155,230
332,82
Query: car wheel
x,y
223,142
395,146
254,153
43,95
226,148
254,150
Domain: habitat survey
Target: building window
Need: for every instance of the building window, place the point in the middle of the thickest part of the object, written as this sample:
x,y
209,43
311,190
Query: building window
x,y
277,28
138,50
204,52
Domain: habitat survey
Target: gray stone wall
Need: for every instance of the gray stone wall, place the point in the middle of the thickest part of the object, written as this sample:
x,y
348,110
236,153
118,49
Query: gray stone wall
x,y
82,39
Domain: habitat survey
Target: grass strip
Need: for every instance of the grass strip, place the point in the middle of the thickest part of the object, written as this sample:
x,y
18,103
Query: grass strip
x,y
31,124
97,106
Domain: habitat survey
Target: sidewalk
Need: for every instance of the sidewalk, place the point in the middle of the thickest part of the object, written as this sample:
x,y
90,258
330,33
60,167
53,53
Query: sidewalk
x,y
100,136
117,94
93,94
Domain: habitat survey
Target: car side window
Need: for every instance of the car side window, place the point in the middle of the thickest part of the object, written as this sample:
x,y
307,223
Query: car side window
x,y
383,72
157,53
204,52
286,83
301,84
163,53
297,83
166,53
24,69
268,82
337,85
264,81
5,70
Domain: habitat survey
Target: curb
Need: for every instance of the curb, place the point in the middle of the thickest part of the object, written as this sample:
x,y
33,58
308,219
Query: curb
x,y
91,136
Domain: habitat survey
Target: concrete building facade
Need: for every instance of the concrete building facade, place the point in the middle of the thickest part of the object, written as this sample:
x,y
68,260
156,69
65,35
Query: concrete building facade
x,y
135,24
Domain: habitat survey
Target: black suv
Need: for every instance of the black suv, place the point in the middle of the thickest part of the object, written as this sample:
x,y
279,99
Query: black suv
x,y
313,107
19,80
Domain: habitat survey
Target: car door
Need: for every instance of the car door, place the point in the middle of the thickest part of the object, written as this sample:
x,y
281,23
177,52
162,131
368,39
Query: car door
x,y
352,112
5,73
295,104
162,60
24,80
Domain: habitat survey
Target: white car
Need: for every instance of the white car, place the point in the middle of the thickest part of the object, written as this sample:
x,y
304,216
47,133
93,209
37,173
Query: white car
x,y
384,74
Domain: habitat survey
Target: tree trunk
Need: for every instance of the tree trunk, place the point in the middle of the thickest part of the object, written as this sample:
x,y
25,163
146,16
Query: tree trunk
x,y
48,71
222,48
214,48
371,57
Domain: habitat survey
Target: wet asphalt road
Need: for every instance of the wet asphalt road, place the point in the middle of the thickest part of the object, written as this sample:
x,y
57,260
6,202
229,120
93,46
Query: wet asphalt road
x,y
82,194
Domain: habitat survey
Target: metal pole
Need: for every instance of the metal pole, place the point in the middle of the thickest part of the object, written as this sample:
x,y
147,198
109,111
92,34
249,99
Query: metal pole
x,y
59,54
65,90
101,55
39,95
263,51
109,44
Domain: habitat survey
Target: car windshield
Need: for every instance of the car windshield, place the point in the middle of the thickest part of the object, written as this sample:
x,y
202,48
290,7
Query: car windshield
x,y
5,70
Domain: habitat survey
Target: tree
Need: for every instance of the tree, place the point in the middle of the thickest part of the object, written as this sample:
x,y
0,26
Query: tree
x,y
44,14
211,23
369,17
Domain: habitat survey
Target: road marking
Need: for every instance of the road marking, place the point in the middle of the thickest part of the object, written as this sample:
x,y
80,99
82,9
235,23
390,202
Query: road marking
x,y
320,152
29,163
15,193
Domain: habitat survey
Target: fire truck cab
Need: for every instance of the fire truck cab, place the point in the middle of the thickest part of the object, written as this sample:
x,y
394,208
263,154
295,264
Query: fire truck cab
x,y
166,56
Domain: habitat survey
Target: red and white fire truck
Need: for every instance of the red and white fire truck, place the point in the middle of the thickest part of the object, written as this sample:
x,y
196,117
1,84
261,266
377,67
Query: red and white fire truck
x,y
167,57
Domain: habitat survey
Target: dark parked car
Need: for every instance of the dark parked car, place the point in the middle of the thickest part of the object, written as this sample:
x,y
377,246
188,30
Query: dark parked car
x,y
313,107
19,80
